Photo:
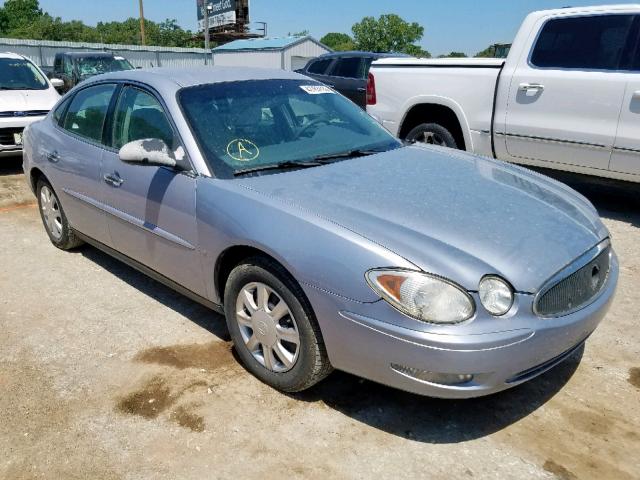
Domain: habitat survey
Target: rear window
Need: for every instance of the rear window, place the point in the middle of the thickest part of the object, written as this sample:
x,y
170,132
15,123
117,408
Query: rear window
x,y
349,68
587,43
319,67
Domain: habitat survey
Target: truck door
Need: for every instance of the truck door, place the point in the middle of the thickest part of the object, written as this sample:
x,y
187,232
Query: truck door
x,y
626,149
565,94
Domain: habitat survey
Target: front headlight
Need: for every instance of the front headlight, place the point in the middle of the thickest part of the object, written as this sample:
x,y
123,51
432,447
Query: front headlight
x,y
496,295
422,296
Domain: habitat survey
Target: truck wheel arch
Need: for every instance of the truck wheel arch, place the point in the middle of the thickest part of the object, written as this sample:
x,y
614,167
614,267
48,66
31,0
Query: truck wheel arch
x,y
437,110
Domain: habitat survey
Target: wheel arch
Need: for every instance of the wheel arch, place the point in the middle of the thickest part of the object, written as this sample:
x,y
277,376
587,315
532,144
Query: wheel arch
x,y
36,174
441,110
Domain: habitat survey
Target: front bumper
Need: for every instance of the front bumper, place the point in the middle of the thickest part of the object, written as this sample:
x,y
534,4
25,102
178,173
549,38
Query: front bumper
x,y
366,339
9,146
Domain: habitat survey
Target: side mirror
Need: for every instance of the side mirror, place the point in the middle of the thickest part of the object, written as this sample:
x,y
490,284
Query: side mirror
x,y
56,83
148,151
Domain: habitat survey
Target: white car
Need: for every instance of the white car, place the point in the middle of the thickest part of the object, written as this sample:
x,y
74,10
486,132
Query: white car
x,y
566,97
26,95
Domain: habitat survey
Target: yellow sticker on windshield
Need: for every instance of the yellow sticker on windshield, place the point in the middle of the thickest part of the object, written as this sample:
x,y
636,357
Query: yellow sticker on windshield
x,y
243,150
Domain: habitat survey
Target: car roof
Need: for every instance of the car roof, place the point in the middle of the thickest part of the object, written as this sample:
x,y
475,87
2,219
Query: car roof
x,y
12,55
359,53
161,78
88,54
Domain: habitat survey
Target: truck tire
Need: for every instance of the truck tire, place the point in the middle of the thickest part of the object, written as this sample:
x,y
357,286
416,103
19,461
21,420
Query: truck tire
x,y
432,134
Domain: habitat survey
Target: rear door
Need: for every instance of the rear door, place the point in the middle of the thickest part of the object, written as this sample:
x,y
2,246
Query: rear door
x,y
564,99
72,147
349,79
151,210
626,149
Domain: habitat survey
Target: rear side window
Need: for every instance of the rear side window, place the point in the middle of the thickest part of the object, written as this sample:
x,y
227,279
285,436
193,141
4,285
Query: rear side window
x,y
88,110
583,43
320,66
349,68
59,112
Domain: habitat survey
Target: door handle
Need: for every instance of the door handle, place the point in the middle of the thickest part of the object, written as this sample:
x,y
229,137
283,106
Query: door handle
x,y
362,89
529,87
636,94
113,179
53,157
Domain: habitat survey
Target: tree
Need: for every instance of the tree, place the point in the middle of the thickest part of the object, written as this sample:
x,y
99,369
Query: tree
x,y
389,33
338,41
453,55
20,13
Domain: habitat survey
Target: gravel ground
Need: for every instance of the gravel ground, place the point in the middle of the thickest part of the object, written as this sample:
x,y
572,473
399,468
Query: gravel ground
x,y
105,374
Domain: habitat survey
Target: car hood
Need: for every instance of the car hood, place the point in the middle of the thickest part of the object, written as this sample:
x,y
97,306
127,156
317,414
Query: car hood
x,y
23,100
449,213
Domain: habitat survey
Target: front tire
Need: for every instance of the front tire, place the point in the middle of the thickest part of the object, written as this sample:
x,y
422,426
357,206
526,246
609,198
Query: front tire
x,y
432,134
273,327
54,219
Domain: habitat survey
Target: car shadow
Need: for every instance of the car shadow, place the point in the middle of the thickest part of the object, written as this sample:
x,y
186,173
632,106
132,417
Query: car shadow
x,y
433,420
193,311
614,199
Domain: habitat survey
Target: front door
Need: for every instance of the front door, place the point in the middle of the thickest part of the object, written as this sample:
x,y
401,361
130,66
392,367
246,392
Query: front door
x,y
564,100
151,210
626,150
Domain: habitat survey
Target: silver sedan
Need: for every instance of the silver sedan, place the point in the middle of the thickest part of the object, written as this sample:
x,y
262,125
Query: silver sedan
x,y
324,241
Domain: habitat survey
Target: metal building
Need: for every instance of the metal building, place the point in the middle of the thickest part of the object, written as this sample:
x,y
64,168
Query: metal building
x,y
288,53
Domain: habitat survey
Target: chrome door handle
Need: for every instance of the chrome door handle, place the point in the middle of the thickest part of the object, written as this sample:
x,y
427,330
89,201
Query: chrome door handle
x,y
53,157
636,94
528,87
362,89
113,179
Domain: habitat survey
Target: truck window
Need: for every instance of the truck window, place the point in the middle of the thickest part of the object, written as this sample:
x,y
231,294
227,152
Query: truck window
x,y
583,43
348,68
319,67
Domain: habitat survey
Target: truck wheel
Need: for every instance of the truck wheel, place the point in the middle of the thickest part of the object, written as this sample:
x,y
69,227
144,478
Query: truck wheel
x,y
272,326
432,134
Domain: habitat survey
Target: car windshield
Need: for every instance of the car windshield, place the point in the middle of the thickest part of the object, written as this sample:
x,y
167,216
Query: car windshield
x,y
259,124
18,74
88,66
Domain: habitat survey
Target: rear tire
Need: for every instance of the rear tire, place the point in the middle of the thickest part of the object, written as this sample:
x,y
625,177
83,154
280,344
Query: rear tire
x,y
54,219
432,134
267,313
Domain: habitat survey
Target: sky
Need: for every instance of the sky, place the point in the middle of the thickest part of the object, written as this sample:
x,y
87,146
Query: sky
x,y
450,25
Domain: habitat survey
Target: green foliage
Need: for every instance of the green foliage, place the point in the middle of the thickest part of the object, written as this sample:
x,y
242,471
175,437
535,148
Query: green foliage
x,y
389,33
453,55
488,52
338,41
25,19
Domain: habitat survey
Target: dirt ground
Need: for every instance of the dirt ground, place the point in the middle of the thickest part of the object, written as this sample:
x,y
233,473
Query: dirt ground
x,y
106,374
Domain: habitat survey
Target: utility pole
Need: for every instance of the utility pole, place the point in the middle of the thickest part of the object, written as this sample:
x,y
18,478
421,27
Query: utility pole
x,y
142,35
206,30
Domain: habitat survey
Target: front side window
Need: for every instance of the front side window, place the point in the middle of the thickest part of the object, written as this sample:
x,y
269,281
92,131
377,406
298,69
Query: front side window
x,y
262,123
348,68
319,67
588,43
88,110
140,116
20,74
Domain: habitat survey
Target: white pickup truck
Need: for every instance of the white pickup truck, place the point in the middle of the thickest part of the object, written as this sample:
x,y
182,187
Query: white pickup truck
x,y
566,97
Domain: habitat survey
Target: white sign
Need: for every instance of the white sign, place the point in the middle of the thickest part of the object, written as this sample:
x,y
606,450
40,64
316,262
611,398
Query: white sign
x,y
227,18
316,89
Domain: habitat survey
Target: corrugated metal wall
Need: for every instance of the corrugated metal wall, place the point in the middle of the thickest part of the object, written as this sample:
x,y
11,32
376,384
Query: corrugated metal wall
x,y
260,59
42,52
298,55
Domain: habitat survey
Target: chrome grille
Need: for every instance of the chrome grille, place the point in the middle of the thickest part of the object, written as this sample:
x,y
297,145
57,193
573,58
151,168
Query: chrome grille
x,y
7,136
24,113
577,290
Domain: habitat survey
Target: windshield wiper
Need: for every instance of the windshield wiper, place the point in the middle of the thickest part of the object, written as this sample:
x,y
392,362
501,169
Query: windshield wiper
x,y
288,165
344,155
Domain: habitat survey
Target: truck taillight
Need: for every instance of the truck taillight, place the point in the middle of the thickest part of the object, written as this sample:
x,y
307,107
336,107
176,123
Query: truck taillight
x,y
371,90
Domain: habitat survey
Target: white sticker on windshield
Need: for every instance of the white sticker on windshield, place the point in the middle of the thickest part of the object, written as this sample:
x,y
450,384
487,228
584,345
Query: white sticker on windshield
x,y
316,89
